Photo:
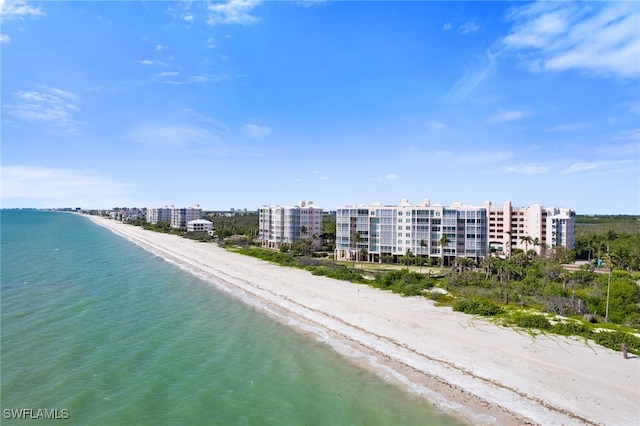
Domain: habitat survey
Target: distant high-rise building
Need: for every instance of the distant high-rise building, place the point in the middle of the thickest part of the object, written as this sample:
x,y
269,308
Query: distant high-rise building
x,y
176,216
289,224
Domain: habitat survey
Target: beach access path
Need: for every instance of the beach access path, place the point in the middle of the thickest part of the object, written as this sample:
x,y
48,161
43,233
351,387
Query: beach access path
x,y
465,365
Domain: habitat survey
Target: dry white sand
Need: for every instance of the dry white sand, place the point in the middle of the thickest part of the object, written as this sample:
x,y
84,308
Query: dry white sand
x,y
460,363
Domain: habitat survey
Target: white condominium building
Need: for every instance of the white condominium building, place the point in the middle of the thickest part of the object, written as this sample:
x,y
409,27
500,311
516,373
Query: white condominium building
x,y
532,227
158,214
199,225
289,224
390,230
178,217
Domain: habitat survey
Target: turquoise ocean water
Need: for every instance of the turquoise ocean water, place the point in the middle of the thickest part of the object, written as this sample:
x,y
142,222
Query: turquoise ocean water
x,y
115,335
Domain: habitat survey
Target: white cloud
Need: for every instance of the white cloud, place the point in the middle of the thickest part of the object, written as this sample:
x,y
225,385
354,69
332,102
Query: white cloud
x,y
211,43
232,12
568,127
448,26
145,62
41,187
580,167
4,38
436,125
188,18
468,27
504,116
51,105
628,135
160,47
165,77
255,131
18,9
173,135
472,77
480,158
600,38
167,74
390,176
528,170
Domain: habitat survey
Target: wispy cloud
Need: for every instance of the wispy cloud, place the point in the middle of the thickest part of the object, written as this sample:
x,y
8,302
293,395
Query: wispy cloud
x,y
600,38
4,38
527,170
436,125
232,12
18,9
255,131
480,158
473,76
468,27
160,47
568,127
628,135
580,167
390,176
448,26
175,136
51,187
51,105
504,116
194,79
167,74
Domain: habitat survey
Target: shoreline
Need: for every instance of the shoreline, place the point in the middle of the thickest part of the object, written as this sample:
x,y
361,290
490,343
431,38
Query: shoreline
x,y
464,366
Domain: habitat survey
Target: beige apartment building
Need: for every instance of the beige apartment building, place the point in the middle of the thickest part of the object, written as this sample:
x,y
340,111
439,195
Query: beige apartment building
x,y
280,225
534,227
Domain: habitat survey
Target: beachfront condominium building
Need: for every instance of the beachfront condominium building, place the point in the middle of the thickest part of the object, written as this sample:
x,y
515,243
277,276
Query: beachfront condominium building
x,y
377,230
534,227
158,214
200,225
280,225
176,216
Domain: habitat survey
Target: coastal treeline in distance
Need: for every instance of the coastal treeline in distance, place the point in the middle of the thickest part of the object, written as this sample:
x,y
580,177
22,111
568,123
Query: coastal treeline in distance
x,y
599,300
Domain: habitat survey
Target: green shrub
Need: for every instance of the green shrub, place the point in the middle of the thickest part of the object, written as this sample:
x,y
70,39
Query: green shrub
x,y
613,340
570,329
477,307
530,321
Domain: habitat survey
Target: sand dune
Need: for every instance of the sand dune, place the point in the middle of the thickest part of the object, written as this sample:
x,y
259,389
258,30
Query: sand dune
x,y
462,364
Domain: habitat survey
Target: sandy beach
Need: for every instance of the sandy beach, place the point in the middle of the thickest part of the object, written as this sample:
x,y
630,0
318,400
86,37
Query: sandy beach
x,y
464,365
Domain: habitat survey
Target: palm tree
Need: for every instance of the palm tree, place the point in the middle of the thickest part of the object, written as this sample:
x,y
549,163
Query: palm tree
x,y
356,240
443,242
423,244
535,242
407,257
609,236
526,240
363,255
510,233
610,261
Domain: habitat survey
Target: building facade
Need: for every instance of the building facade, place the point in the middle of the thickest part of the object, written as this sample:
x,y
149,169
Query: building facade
x,y
200,225
280,225
378,230
534,227
176,216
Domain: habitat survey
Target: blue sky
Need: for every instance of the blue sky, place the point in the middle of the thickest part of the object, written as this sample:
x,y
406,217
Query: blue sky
x,y
243,103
